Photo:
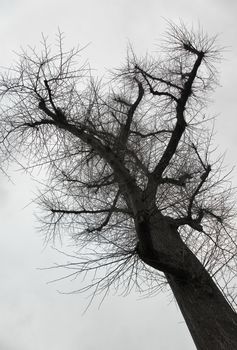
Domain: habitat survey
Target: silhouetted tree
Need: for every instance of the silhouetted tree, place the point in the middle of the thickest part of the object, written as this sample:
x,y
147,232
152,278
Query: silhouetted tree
x,y
132,175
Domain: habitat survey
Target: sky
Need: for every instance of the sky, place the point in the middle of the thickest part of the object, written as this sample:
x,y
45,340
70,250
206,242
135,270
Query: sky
x,y
33,315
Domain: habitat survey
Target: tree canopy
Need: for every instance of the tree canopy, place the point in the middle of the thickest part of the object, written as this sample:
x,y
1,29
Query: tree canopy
x,y
116,149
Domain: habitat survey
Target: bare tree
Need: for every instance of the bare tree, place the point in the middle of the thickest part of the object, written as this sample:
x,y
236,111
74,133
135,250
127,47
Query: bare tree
x,y
132,173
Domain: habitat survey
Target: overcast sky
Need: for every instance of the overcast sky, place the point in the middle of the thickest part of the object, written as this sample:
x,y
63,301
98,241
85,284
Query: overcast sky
x,y
32,314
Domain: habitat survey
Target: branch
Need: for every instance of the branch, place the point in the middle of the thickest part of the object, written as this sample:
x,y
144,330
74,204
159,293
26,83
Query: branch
x,y
138,161
217,217
39,122
110,212
161,93
167,82
198,155
45,109
203,179
181,181
178,130
58,114
125,129
122,174
50,95
138,133
102,182
155,92
122,101
88,211
193,223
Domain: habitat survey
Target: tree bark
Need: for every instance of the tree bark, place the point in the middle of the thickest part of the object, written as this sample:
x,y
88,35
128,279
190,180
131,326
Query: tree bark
x,y
210,319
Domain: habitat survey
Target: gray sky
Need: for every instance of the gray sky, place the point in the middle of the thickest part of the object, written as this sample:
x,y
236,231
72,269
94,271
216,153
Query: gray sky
x,y
33,315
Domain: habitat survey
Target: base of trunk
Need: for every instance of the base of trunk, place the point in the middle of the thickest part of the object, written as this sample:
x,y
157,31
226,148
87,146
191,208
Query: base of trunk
x,y
210,319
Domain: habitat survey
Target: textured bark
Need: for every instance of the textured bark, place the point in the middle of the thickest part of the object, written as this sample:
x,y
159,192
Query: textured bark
x,y
211,321
209,317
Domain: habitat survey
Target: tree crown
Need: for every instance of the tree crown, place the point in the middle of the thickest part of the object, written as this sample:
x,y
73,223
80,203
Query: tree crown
x,y
117,151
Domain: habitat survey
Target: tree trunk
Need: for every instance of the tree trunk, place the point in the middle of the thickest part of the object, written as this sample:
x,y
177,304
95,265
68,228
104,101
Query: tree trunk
x,y
210,319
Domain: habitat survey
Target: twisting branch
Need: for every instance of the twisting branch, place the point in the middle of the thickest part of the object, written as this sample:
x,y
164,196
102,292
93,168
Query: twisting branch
x,y
161,80
178,129
125,128
156,92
